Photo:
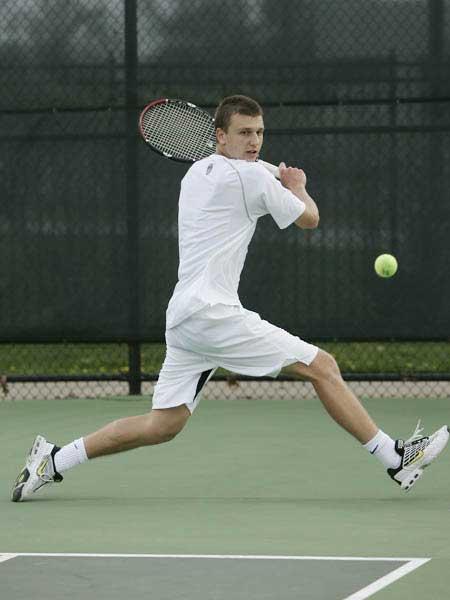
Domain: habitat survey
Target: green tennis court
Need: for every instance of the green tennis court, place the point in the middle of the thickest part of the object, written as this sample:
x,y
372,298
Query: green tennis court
x,y
255,499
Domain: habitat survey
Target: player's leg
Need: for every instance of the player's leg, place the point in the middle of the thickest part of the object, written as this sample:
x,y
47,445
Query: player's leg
x,y
46,461
155,427
240,341
404,460
344,407
176,395
336,396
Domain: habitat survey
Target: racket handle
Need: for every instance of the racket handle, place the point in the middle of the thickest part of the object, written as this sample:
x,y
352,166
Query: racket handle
x,y
271,168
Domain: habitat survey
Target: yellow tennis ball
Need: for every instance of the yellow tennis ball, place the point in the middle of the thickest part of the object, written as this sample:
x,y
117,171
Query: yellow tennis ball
x,y
386,265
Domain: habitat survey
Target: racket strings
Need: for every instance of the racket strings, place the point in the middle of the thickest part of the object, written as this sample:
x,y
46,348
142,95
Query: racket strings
x,y
179,130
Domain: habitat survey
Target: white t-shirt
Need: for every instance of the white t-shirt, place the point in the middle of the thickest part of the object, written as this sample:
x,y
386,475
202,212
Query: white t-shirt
x,y
221,200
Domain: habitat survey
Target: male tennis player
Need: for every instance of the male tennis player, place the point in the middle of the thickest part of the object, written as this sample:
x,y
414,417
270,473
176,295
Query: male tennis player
x,y
222,197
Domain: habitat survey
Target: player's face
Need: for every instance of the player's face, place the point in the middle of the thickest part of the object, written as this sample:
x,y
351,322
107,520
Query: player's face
x,y
243,139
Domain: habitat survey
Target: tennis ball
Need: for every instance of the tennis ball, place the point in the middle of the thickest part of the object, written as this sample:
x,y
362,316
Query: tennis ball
x,y
386,265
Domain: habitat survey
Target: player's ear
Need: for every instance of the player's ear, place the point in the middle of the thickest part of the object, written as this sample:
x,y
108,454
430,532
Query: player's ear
x,y
221,135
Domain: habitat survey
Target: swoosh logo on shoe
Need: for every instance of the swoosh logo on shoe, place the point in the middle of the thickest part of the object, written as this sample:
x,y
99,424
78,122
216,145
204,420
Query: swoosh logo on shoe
x,y
41,468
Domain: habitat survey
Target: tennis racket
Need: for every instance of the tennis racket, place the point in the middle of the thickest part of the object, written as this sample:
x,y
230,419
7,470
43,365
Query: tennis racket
x,y
181,131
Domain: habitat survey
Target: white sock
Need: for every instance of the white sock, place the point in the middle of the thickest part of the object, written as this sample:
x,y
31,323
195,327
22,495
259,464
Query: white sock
x,y
383,447
70,456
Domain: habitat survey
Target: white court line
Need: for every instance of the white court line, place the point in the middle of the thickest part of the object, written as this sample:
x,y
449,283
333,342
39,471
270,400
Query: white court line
x,y
383,582
219,556
366,592
5,557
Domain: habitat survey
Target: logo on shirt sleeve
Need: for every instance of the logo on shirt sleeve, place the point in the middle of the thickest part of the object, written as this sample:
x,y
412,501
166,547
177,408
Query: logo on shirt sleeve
x,y
209,169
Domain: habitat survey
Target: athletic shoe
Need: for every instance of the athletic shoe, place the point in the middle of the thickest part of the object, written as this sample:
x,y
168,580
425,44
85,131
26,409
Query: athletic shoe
x,y
416,453
39,470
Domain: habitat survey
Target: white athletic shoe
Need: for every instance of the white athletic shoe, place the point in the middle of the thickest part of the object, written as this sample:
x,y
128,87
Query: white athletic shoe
x,y
39,470
416,453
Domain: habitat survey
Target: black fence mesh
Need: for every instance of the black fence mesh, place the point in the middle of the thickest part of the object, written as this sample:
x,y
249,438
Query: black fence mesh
x,y
357,93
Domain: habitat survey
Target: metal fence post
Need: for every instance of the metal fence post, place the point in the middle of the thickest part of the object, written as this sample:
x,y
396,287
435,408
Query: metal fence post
x,y
132,201
134,369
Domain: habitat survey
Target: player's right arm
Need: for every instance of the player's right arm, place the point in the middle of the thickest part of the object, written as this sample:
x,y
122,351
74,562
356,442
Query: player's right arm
x,y
295,180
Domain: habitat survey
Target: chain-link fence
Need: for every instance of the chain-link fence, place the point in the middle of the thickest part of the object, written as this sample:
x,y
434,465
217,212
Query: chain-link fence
x,y
374,369
356,92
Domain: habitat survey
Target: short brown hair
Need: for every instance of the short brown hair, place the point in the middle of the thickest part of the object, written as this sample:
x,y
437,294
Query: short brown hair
x,y
235,105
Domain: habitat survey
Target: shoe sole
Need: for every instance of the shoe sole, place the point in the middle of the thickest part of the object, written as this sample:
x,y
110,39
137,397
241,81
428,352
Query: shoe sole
x,y
17,489
412,478
21,491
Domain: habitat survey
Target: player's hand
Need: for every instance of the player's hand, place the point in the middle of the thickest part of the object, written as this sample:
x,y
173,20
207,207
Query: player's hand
x,y
291,177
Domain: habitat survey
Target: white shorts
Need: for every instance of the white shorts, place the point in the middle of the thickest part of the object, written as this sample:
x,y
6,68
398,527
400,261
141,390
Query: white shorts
x,y
223,336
